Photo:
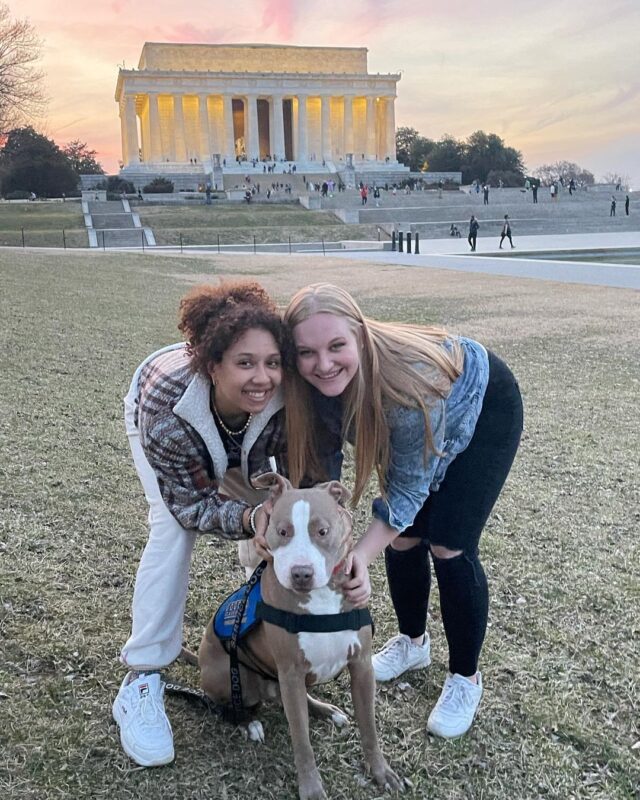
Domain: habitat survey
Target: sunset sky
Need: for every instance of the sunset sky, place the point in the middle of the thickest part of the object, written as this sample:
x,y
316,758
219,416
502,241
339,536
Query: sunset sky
x,y
557,79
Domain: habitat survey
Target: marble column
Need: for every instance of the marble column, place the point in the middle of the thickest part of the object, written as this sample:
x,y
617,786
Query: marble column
x,y
277,132
179,131
229,151
301,154
203,116
391,129
155,141
252,138
348,124
129,123
370,152
325,127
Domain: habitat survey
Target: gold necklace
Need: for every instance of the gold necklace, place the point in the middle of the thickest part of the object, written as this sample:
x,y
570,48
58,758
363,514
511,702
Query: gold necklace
x,y
228,431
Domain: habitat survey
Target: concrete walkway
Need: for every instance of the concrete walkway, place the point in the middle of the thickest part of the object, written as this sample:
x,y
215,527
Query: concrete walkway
x,y
454,254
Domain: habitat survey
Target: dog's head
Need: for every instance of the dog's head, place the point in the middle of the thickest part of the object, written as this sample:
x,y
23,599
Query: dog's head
x,y
309,531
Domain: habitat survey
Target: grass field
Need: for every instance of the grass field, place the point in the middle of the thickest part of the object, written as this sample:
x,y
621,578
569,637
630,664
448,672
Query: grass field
x,y
239,224
43,224
560,714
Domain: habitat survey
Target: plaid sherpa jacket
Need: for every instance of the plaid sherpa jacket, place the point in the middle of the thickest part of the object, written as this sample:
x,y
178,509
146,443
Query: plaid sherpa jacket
x,y
182,444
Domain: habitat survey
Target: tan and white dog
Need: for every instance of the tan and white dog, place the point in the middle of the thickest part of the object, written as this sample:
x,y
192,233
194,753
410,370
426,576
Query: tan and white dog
x,y
309,536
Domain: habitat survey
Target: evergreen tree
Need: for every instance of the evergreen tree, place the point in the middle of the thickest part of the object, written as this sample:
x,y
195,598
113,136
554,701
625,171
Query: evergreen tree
x,y
31,162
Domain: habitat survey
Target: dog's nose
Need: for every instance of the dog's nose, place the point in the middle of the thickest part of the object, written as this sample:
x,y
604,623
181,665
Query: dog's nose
x,y
302,576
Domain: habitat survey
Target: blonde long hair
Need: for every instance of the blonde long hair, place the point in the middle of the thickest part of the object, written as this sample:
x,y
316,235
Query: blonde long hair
x,y
400,364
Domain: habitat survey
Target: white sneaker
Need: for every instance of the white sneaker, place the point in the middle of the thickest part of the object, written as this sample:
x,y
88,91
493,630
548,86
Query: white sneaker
x,y
456,707
399,655
145,731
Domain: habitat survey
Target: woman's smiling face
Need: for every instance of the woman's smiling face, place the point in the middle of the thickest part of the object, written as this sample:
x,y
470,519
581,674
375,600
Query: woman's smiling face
x,y
248,375
327,352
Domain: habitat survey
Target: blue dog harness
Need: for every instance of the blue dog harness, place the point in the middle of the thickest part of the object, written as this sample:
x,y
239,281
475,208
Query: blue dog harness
x,y
238,603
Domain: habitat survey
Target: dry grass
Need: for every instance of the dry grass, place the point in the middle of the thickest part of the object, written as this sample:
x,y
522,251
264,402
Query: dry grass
x,y
240,224
42,224
560,714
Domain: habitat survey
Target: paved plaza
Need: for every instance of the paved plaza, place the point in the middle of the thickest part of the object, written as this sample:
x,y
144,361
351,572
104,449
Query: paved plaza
x,y
445,254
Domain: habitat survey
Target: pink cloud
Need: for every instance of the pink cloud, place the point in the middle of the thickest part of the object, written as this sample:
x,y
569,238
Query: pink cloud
x,y
550,77
280,15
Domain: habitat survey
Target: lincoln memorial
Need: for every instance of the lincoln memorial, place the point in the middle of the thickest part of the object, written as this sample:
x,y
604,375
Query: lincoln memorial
x,y
215,105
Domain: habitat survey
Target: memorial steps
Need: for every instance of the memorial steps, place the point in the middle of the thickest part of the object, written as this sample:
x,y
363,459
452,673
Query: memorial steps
x,y
111,223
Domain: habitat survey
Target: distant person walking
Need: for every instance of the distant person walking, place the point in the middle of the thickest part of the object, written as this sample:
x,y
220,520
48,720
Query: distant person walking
x,y
485,194
534,190
626,205
473,232
506,232
552,191
612,210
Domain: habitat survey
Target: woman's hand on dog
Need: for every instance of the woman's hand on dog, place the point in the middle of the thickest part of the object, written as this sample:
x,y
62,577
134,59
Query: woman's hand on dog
x,y
357,588
260,539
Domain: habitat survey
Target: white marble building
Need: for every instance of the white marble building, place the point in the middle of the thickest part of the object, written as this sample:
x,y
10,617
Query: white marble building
x,y
209,105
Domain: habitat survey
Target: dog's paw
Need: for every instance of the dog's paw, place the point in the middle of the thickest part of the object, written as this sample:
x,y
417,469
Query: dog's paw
x,y
255,731
391,782
386,778
339,718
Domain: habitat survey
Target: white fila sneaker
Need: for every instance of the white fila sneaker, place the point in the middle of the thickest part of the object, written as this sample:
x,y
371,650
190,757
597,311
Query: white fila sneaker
x,y
145,731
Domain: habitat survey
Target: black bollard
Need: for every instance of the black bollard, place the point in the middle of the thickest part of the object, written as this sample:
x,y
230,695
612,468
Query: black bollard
x,y
416,249
408,241
400,242
393,242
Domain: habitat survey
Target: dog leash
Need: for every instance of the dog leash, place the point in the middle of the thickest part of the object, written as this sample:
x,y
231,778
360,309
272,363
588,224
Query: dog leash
x,y
195,696
238,712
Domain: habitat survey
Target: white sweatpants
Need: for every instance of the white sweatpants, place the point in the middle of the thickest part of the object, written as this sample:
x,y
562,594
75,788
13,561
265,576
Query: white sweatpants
x,y
162,579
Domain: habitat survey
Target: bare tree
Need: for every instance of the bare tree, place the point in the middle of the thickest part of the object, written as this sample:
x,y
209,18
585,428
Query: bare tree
x,y
21,82
616,178
565,170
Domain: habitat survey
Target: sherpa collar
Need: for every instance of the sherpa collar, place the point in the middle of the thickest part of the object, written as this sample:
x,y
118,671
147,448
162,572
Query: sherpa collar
x,y
194,408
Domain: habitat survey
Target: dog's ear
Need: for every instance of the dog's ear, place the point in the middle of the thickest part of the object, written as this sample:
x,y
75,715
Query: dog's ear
x,y
277,484
340,493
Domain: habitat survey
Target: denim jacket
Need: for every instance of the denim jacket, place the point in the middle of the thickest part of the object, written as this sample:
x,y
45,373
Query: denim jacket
x,y
410,479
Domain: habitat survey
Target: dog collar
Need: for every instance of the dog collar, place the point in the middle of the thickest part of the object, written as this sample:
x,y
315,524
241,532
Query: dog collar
x,y
314,623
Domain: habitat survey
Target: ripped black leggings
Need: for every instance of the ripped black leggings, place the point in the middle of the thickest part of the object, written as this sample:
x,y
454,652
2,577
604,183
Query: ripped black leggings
x,y
453,517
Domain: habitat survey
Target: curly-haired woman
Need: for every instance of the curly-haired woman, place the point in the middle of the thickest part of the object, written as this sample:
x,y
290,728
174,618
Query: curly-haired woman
x,y
202,417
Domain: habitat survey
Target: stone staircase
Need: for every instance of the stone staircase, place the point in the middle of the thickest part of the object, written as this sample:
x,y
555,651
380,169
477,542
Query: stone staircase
x,y
111,223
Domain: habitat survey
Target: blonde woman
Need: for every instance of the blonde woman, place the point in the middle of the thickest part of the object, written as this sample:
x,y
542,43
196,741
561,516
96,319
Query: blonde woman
x,y
438,418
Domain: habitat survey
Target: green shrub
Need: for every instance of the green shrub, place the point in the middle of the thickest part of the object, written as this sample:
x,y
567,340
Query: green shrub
x,y
17,194
159,186
509,178
117,185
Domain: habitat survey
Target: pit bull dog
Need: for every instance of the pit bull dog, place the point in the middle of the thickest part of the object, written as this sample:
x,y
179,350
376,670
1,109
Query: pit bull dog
x,y
309,536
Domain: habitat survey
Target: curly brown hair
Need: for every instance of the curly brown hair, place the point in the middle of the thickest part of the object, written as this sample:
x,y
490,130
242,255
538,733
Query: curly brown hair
x,y
213,318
